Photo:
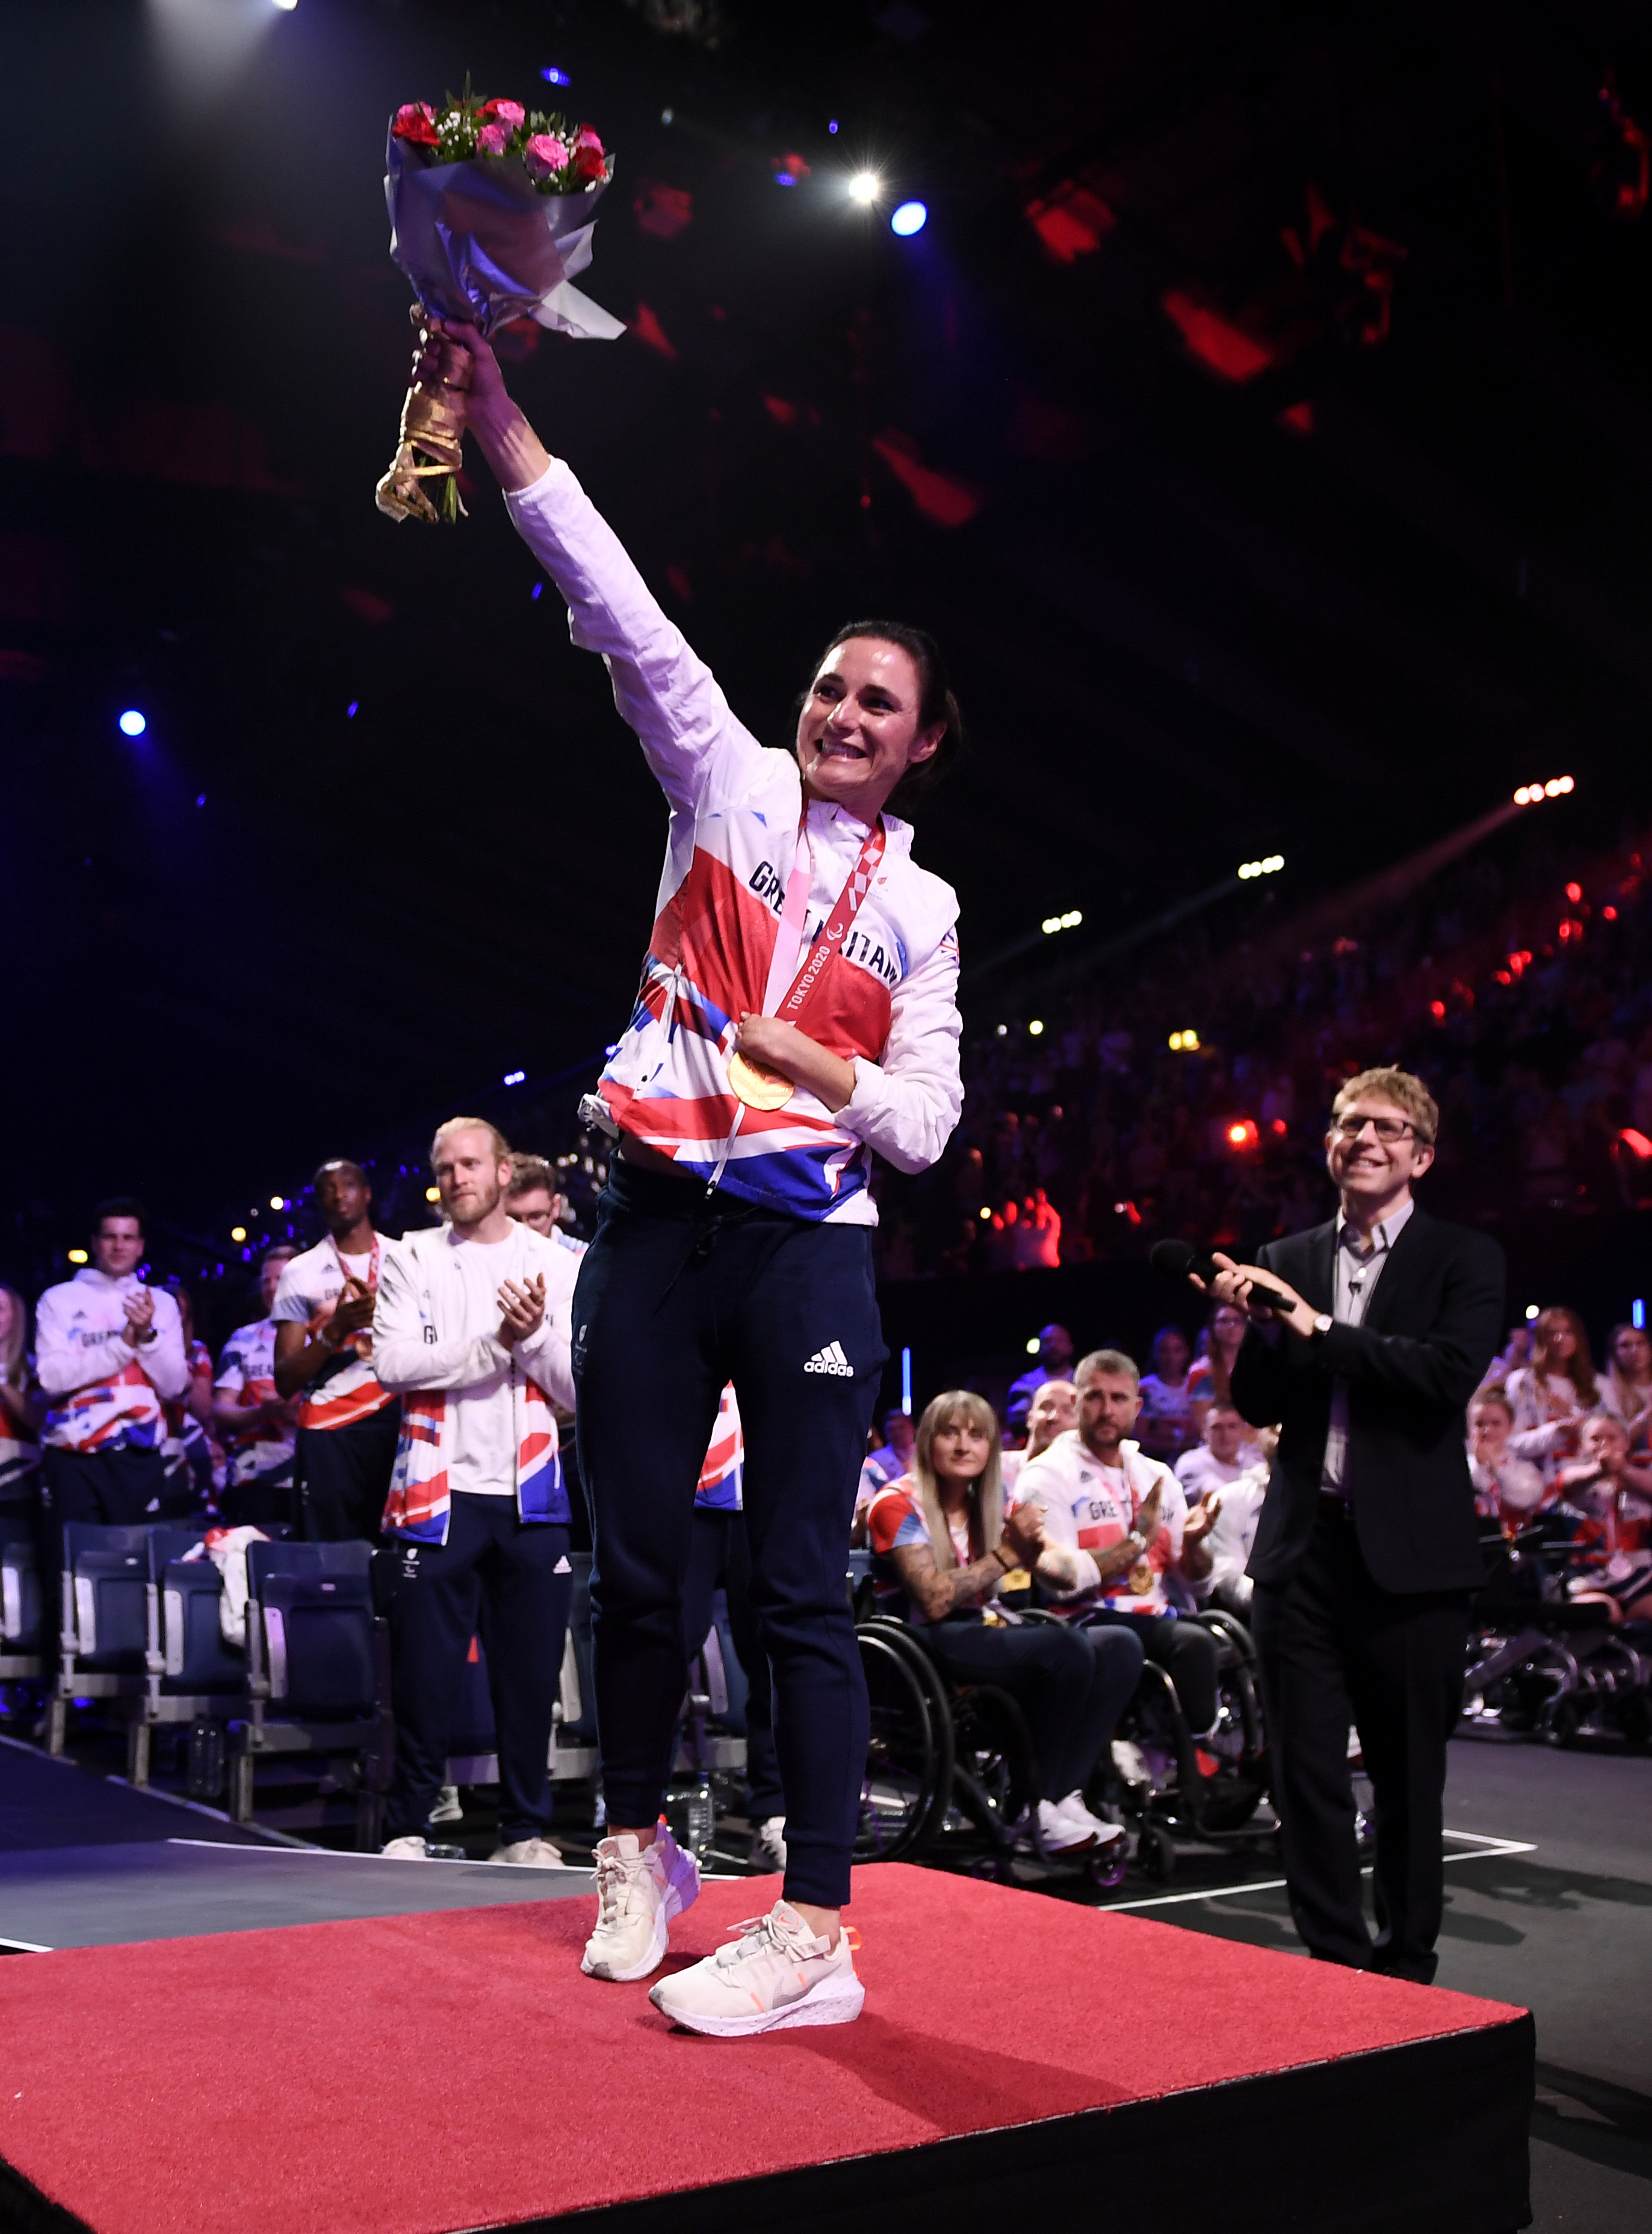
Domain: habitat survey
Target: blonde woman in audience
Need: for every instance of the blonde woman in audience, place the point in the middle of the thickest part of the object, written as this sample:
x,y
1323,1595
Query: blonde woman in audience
x,y
1551,1397
1626,1385
943,1545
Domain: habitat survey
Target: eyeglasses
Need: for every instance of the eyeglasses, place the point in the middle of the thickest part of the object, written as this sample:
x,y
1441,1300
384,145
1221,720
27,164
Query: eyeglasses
x,y
1386,1128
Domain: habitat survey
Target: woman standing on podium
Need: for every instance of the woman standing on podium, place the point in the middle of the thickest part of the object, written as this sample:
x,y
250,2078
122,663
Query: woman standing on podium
x,y
797,1012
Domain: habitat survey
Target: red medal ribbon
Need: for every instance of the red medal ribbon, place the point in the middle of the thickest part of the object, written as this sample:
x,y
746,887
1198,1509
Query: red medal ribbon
x,y
835,929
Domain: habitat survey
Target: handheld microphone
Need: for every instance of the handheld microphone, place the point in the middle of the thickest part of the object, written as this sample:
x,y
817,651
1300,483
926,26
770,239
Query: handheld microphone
x,y
1177,1259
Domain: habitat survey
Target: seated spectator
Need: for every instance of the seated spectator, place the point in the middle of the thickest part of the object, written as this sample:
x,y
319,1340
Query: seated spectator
x,y
1507,1489
1208,1377
1613,1500
1239,1508
1226,1453
22,1407
1054,1359
1167,1400
1115,1523
942,1548
259,1426
1055,1409
1553,1396
1626,1385
888,1462
109,1354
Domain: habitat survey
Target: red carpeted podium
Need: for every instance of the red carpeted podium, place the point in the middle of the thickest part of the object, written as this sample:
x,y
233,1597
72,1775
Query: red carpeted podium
x,y
419,2074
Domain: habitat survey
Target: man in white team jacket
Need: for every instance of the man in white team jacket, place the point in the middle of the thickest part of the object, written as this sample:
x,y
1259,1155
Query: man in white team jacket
x,y
472,1329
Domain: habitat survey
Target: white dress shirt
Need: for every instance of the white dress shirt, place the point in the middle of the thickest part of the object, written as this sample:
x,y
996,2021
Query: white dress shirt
x,y
1357,1268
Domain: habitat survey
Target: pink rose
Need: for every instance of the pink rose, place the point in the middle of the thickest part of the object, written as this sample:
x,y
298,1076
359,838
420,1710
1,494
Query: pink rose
x,y
510,113
584,137
415,120
491,139
544,154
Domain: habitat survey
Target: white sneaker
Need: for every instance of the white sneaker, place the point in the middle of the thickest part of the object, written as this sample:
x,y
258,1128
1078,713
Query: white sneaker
x,y
447,1809
776,1973
638,1892
409,1849
534,1853
1060,1832
1073,1809
769,1845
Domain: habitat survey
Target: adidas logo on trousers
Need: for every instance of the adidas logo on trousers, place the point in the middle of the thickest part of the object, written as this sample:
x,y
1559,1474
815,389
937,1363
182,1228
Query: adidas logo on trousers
x,y
831,1360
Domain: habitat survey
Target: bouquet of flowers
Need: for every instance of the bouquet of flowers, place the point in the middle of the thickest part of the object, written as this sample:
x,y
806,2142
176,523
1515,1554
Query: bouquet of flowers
x,y
491,215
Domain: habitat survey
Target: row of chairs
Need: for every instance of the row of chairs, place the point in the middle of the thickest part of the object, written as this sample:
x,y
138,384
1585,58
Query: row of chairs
x,y
141,1628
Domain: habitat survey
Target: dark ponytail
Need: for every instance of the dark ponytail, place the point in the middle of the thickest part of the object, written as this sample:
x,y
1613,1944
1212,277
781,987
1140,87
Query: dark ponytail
x,y
936,701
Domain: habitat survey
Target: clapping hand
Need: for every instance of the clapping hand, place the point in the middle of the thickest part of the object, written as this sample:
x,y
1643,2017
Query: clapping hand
x,y
141,1316
1023,1533
521,1308
1147,1517
1200,1521
352,1313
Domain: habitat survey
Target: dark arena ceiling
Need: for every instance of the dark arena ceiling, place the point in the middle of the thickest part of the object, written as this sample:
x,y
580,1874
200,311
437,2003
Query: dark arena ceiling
x,y
1263,420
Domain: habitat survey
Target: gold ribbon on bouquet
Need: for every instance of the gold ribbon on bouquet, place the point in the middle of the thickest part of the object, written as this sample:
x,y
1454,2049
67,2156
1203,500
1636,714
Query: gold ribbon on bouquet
x,y
431,443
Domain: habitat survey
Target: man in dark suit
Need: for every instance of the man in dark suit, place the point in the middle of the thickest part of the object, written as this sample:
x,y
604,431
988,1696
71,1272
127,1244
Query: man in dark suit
x,y
1367,1550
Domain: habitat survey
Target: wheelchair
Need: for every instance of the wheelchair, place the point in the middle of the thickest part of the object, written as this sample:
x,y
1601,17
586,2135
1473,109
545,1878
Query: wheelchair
x,y
1206,1789
1542,1665
951,1770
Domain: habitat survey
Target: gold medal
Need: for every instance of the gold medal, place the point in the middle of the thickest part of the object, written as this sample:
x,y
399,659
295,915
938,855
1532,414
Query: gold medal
x,y
758,1088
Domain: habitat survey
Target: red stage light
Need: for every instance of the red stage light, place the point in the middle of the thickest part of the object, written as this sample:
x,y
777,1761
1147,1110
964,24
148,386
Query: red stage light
x,y
1437,1008
1609,914
1243,1134
1279,1125
1637,1143
1226,348
1574,893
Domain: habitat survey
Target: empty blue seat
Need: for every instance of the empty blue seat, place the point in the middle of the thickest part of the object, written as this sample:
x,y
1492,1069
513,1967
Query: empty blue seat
x,y
315,1608
196,1661
22,1625
106,1573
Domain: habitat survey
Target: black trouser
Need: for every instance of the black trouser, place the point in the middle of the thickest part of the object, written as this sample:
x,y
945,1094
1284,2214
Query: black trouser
x,y
121,1488
1335,1648
680,1293
345,1473
718,1553
499,1572
261,1500
1187,1653
1071,1684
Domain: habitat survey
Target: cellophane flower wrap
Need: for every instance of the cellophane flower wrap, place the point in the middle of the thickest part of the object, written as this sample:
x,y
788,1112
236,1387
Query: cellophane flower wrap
x,y
492,210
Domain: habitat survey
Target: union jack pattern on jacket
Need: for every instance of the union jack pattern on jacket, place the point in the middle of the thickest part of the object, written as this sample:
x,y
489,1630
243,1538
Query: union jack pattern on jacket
x,y
101,1397
420,1500
887,1002
721,1477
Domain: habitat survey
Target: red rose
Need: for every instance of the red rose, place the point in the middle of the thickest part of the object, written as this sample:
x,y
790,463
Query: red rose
x,y
586,137
415,120
588,164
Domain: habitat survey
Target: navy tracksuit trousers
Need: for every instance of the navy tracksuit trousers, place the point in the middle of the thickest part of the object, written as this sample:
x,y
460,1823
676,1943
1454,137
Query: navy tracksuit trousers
x,y
682,1291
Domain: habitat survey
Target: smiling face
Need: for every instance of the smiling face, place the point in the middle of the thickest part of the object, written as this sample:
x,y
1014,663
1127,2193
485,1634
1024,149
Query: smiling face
x,y
1367,1168
859,731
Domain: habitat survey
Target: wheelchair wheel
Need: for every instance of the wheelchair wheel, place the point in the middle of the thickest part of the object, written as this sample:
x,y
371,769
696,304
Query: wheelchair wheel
x,y
992,1758
1559,1722
908,1778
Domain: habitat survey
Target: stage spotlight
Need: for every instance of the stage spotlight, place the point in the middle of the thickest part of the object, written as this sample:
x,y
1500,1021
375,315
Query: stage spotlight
x,y
433,1194
909,218
286,6
1035,1027
1263,868
514,1077
278,1202
132,723
864,187
1531,1310
77,1256
552,75
1070,921
238,1233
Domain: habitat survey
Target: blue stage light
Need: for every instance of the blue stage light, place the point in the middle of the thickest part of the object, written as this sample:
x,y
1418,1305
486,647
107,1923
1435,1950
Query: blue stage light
x,y
350,710
552,75
909,218
132,723
1637,1314
514,1077
201,799
906,1382
832,125
536,593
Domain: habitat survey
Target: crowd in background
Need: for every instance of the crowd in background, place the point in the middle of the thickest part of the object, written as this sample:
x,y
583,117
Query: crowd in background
x,y
1192,1100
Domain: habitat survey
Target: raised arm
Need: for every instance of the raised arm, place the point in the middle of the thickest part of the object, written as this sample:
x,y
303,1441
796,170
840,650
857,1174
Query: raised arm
x,y
664,693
